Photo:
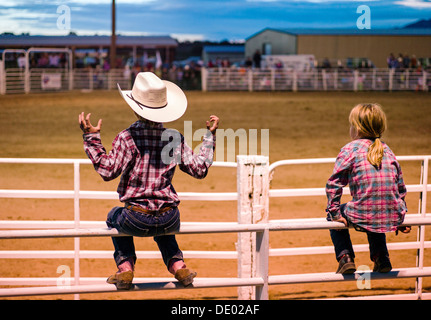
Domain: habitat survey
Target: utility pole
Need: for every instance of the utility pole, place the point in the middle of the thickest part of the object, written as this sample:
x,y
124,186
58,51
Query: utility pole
x,y
113,50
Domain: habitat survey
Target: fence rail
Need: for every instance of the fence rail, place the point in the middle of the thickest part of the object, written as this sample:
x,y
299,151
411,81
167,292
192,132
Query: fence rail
x,y
240,79
257,279
15,80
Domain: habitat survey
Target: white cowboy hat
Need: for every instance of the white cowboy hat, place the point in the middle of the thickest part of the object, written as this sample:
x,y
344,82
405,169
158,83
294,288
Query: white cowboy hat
x,y
154,99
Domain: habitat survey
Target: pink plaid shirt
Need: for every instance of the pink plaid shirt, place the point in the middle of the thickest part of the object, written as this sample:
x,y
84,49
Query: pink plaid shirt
x,y
378,195
146,158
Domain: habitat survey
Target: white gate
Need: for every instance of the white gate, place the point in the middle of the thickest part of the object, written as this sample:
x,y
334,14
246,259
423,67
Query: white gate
x,y
253,195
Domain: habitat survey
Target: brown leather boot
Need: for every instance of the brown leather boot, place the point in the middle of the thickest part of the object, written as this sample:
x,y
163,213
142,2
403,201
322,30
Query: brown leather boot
x,y
185,276
346,265
122,280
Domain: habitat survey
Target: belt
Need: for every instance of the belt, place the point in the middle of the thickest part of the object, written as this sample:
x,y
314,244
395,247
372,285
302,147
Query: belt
x,y
142,210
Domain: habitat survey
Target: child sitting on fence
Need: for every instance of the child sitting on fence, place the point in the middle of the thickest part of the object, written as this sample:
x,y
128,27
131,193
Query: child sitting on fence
x,y
146,155
376,184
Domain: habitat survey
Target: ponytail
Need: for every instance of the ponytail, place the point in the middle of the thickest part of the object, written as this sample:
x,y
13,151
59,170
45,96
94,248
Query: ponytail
x,y
375,153
369,121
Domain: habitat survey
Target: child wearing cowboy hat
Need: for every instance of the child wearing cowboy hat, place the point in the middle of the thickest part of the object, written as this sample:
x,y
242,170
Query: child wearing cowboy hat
x,y
146,158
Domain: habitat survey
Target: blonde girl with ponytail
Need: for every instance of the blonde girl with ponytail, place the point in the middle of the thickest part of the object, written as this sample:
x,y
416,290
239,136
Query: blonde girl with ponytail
x,y
376,185
369,121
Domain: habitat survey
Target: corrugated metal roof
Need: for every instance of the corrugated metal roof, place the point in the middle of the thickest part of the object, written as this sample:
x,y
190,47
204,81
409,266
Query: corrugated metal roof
x,y
352,31
85,41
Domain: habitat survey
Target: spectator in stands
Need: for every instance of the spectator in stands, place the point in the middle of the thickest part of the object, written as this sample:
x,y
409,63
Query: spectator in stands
x,y
257,58
43,61
106,66
406,61
248,63
400,61
326,64
413,62
54,60
172,74
392,62
21,61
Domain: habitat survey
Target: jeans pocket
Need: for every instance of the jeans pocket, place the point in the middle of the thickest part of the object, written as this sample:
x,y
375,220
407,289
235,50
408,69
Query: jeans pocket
x,y
135,228
173,225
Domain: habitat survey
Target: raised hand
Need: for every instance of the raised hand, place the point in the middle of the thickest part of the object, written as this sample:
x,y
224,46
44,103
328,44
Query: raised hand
x,y
86,126
213,127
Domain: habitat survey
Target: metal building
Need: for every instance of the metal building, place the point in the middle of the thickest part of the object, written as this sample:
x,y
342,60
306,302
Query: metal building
x,y
342,44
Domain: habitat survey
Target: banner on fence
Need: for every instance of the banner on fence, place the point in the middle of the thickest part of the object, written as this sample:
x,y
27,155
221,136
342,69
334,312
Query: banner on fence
x,y
297,62
51,81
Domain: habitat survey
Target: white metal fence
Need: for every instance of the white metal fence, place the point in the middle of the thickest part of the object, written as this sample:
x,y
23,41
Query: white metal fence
x,y
16,80
252,194
241,79
28,78
20,80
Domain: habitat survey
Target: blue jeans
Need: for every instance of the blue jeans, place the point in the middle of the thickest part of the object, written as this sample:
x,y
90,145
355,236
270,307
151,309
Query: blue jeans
x,y
343,245
145,225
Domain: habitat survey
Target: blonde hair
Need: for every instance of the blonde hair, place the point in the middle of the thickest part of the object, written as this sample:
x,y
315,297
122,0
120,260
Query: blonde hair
x,y
370,122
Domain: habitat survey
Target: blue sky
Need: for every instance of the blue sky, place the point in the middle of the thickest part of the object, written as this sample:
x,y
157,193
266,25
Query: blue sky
x,y
203,19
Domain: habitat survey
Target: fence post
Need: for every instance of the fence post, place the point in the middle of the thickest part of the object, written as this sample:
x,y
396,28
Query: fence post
x,y
421,229
335,79
391,79
204,79
355,80
70,72
77,218
250,80
110,79
295,81
253,200
2,78
90,79
373,81
324,84
272,79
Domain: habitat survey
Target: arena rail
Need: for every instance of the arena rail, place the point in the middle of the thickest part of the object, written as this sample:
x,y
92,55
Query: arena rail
x,y
28,79
253,192
333,79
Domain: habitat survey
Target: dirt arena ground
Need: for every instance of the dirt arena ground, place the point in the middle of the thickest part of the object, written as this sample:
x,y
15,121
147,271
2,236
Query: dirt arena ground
x,y
302,125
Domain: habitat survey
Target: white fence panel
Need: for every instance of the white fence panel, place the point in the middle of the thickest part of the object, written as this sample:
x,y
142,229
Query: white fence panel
x,y
258,201
338,79
14,80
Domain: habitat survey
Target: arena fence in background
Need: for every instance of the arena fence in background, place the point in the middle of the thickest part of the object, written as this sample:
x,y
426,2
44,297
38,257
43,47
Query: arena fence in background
x,y
33,79
30,78
253,227
335,79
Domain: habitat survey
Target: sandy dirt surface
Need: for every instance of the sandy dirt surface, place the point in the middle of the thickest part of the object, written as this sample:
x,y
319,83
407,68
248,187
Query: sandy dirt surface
x,y
302,125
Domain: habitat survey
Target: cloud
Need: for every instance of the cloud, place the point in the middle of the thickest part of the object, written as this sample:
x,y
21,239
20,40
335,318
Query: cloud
x,y
415,4
108,2
202,19
187,37
24,20
312,1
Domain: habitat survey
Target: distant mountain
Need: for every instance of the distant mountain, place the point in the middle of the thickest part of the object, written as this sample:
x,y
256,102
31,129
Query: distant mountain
x,y
420,24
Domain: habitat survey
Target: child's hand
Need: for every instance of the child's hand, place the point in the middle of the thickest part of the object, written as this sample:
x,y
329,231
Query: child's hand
x,y
403,229
214,126
86,126
342,220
